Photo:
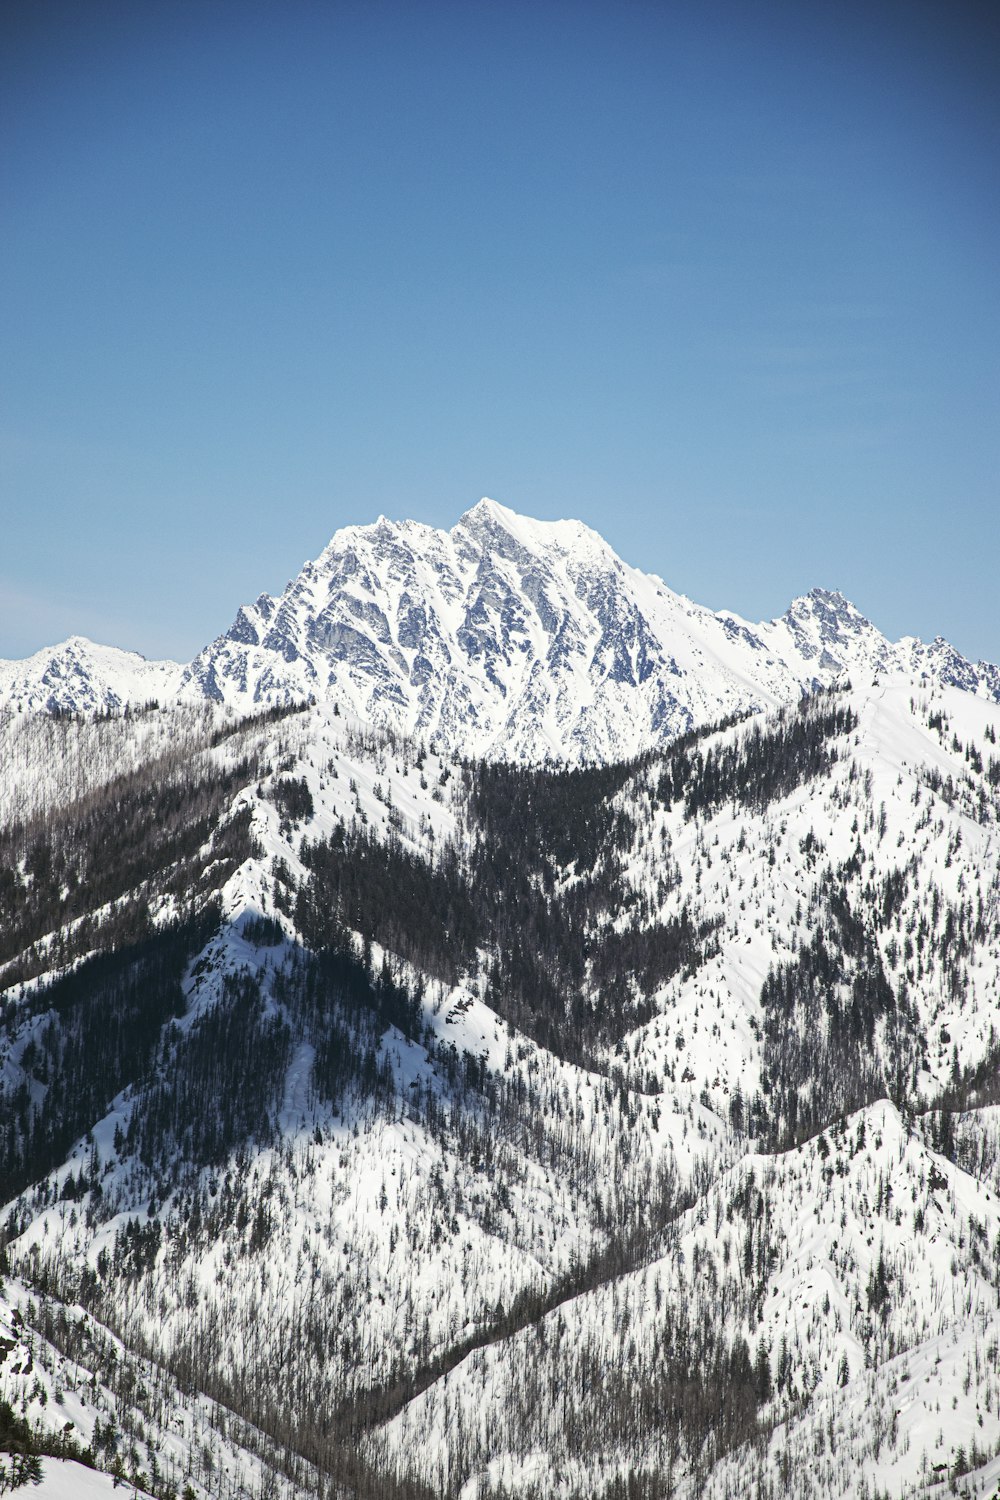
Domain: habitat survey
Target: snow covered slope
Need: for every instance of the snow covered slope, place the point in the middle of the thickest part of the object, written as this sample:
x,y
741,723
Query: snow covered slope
x,y
81,677
105,1422
529,639
862,1331
411,1109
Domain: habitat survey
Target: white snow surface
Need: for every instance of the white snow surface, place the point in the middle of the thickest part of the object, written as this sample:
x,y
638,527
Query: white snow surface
x,y
62,1479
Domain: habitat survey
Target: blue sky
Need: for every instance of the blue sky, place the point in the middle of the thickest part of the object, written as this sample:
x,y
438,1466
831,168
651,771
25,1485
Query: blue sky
x,y
718,279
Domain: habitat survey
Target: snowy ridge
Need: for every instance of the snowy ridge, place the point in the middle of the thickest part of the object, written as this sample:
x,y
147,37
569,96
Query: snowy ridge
x,y
408,1226
814,1257
825,628
345,1183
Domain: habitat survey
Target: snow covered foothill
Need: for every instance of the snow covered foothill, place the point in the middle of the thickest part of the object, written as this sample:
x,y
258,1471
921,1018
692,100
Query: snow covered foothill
x,y
831,1259
388,1213
928,825
52,761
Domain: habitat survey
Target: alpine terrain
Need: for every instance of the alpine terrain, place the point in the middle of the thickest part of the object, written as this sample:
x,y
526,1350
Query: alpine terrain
x,y
490,1027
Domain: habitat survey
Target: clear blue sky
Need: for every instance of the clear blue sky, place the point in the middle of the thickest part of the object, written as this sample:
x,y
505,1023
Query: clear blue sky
x,y
722,280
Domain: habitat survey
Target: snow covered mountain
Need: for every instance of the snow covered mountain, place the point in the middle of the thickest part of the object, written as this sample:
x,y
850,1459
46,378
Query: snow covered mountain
x,y
531,639
505,637
81,677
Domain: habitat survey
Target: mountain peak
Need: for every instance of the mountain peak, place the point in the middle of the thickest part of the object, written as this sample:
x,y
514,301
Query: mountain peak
x,y
80,676
832,597
819,600
487,513
488,507
529,640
